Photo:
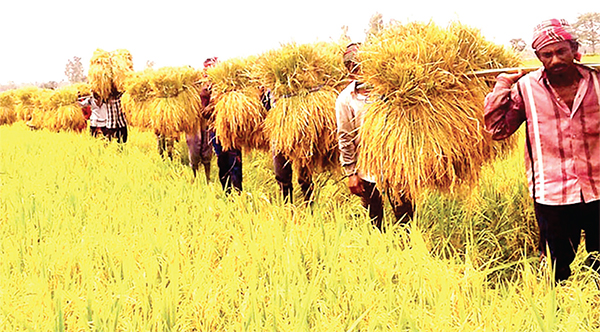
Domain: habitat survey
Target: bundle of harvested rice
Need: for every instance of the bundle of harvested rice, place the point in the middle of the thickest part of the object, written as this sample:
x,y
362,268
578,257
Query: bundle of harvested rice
x,y
63,111
27,100
83,89
175,105
238,111
109,70
304,79
426,128
136,99
7,108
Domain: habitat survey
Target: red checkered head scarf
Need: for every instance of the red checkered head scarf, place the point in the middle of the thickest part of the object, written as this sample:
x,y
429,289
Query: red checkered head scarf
x,y
552,31
210,62
350,56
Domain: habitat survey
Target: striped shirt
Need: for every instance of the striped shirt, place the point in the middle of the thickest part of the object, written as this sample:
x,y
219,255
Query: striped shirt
x,y
115,118
563,145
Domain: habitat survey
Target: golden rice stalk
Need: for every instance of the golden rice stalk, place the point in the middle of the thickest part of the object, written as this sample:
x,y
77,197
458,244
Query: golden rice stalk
x,y
83,89
100,73
7,108
303,128
27,99
136,99
239,117
297,68
109,70
63,112
175,105
426,129
232,75
122,65
238,111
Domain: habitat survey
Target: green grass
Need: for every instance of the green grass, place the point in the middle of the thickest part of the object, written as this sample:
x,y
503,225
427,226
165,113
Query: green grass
x,y
101,237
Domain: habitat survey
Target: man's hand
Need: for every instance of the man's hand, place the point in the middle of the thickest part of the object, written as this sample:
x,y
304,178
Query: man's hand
x,y
355,184
511,78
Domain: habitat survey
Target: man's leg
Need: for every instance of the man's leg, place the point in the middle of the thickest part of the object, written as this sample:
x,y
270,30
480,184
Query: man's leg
x,y
283,175
403,209
193,144
560,230
372,201
590,216
306,183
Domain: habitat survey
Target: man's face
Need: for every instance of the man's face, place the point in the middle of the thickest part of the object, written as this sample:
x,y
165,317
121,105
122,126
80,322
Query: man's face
x,y
557,57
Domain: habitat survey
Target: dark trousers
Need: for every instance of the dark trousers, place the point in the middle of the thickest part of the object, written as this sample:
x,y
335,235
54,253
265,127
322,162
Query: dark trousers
x,y
283,175
560,229
119,133
230,165
372,201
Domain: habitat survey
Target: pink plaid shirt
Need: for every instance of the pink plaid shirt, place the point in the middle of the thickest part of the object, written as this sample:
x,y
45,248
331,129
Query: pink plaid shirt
x,y
563,145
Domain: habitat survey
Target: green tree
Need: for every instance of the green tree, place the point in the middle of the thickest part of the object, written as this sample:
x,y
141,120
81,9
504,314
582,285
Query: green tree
x,y
74,70
588,29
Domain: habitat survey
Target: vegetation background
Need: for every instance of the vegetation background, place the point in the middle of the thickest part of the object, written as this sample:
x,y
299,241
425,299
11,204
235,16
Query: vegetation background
x,y
101,237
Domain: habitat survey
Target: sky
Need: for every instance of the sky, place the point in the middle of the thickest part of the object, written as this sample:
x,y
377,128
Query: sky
x,y
39,37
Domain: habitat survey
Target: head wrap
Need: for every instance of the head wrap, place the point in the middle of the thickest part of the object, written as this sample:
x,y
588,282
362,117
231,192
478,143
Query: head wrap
x,y
350,53
550,32
210,62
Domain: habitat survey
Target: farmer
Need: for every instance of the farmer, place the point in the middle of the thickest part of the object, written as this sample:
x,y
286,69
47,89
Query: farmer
x,y
98,114
560,105
229,161
198,142
350,108
116,125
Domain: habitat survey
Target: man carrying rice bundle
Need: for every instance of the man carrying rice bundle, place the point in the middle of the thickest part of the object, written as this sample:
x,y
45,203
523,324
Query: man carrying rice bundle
x,y
107,74
560,104
351,105
424,128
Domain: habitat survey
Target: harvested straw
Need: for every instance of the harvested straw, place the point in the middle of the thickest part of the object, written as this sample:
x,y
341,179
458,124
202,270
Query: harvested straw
x,y
238,111
7,108
136,99
109,70
427,129
175,105
27,99
305,80
63,111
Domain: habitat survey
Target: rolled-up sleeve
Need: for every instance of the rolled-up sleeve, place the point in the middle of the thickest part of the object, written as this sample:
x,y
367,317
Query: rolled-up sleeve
x,y
504,110
347,132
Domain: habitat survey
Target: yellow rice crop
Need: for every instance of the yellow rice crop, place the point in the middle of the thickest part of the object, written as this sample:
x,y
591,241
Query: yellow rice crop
x,y
109,70
238,111
305,80
27,100
303,128
426,129
175,105
63,111
239,117
136,99
7,108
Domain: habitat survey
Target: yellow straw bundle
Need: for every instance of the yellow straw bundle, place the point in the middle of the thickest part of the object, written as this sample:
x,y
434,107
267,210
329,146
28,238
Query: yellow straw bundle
x,y
27,99
175,105
239,117
426,129
63,111
136,99
305,80
238,111
303,128
7,108
109,70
